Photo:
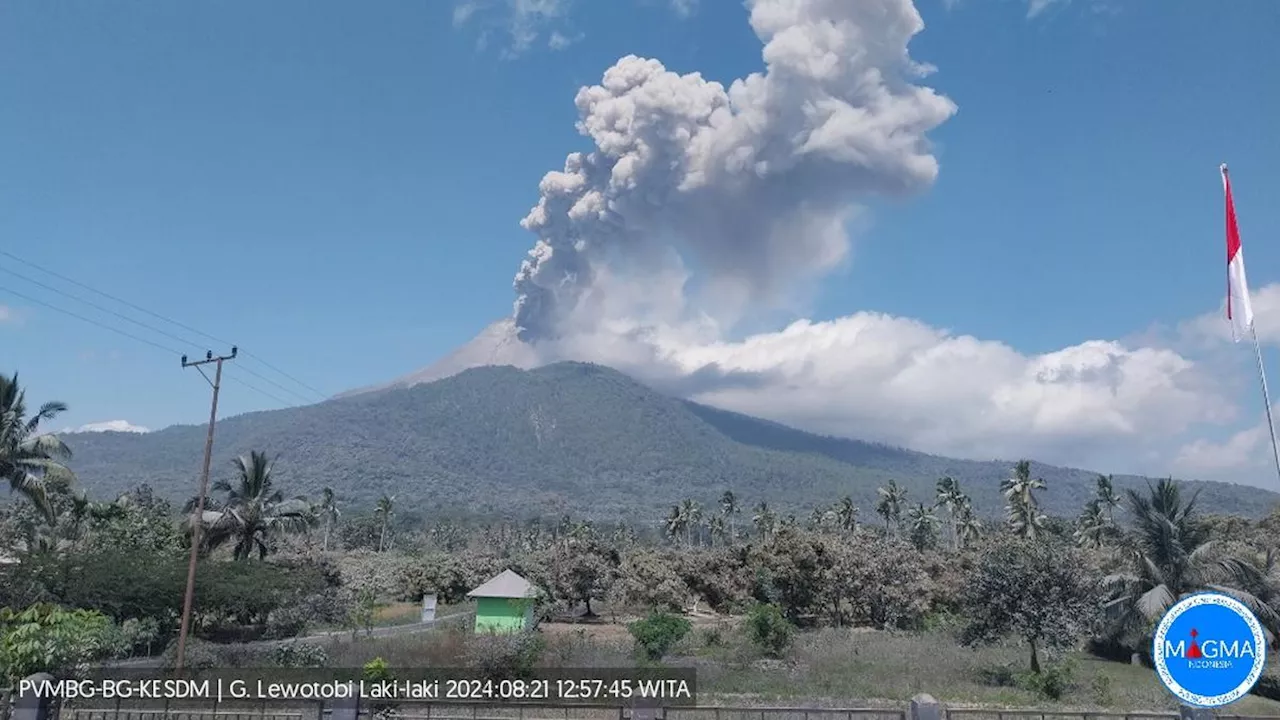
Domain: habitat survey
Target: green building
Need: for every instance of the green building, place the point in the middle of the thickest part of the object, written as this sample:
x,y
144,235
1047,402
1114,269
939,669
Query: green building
x,y
504,604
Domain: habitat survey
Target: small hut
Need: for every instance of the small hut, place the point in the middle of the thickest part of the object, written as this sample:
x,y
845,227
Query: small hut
x,y
504,604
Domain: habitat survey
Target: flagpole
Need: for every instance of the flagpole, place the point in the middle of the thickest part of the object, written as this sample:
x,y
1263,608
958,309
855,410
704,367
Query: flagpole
x,y
1266,398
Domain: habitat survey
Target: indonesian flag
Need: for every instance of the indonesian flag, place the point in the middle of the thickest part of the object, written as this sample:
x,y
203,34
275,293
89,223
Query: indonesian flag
x,y
1239,309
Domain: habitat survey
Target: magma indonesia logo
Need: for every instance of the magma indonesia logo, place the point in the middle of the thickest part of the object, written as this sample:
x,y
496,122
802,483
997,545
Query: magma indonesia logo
x,y
1209,650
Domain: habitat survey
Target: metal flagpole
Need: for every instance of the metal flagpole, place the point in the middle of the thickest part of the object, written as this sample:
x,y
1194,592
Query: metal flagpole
x,y
1266,398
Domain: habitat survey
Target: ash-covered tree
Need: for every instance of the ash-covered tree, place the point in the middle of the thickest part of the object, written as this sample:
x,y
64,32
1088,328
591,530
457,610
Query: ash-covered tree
x,y
649,579
1036,590
583,569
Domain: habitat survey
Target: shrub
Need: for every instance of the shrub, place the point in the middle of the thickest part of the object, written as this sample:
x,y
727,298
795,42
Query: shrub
x,y
46,638
131,636
299,655
713,637
376,670
505,656
286,622
199,655
1052,681
769,630
656,634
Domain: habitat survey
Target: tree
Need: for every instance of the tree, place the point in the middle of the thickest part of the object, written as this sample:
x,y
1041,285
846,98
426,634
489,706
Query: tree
x,y
968,528
729,509
1091,526
1171,556
583,571
846,514
329,511
1025,518
692,514
716,529
924,526
676,524
28,458
1037,591
1107,498
820,518
950,496
253,511
765,520
384,510
889,505
649,579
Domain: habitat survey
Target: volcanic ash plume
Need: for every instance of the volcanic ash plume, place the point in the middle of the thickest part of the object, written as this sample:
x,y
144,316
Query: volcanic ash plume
x,y
751,185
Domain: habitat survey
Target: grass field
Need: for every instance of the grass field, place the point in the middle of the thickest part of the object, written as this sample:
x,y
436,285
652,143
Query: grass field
x,y
827,668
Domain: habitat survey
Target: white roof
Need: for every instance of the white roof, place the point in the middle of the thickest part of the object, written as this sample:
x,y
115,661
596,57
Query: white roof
x,y
506,585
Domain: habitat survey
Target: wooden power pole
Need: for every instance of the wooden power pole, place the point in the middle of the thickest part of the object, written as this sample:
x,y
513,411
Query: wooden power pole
x,y
197,520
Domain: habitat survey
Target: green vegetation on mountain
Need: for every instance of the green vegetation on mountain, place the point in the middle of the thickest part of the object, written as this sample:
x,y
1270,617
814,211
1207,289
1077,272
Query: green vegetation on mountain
x,y
570,436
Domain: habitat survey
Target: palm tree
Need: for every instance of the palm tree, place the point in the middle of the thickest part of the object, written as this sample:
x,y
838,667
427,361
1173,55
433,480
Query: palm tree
x,y
1172,557
924,525
384,510
765,519
1024,513
28,457
728,509
675,524
1092,525
846,514
1107,498
950,496
693,517
329,511
967,526
252,511
820,518
716,528
889,506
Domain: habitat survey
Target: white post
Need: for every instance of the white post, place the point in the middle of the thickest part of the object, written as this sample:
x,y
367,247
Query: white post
x,y
1266,398
428,607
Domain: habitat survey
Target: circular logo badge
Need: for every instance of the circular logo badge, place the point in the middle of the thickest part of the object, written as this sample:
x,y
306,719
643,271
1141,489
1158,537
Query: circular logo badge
x,y
1209,650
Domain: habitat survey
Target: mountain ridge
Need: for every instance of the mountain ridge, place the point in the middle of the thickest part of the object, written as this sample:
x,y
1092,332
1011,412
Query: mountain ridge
x,y
565,437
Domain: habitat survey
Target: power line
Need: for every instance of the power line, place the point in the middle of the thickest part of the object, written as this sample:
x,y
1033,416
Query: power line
x,y
95,306
157,316
109,296
268,365
259,390
264,378
141,324
91,321
131,336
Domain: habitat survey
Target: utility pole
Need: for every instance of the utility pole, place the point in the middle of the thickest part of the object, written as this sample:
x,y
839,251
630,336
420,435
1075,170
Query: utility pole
x,y
198,518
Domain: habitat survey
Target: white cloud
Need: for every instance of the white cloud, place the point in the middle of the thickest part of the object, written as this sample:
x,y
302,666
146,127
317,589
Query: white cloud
x,y
684,8
901,381
560,41
1036,7
1246,451
463,11
524,21
8,314
111,426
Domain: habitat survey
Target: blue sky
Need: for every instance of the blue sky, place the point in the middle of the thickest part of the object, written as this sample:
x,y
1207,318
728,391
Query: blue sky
x,y
337,187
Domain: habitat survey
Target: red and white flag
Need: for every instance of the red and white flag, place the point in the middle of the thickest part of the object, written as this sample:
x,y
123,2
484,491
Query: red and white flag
x,y
1239,309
